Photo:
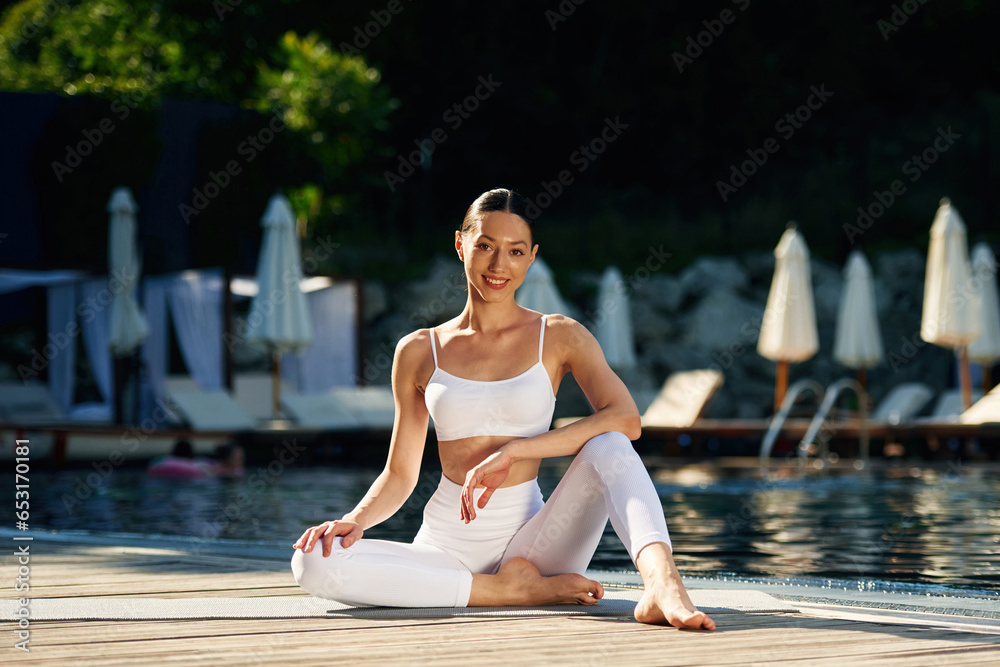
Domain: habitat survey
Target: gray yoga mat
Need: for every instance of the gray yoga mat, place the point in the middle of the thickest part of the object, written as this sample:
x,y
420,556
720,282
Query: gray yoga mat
x,y
614,603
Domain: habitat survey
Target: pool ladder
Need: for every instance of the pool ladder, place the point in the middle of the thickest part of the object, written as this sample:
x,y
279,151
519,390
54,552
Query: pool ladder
x,y
827,398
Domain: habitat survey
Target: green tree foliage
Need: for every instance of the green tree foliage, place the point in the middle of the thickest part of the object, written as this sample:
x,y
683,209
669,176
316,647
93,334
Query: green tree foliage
x,y
103,47
337,107
334,107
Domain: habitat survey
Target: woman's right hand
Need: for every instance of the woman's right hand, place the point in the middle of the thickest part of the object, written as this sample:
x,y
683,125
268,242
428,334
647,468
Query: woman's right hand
x,y
349,530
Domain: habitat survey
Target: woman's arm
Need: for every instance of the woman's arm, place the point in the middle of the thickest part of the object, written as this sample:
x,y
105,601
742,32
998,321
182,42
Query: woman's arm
x,y
614,409
409,433
396,482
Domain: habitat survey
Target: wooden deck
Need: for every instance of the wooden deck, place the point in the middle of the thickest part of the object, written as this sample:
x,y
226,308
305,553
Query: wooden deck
x,y
818,635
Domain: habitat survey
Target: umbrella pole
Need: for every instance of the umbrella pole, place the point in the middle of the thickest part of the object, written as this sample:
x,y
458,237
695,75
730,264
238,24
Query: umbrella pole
x,y
276,383
780,385
863,378
963,374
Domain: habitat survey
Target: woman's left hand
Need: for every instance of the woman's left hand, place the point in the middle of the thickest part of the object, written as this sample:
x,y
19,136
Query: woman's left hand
x,y
491,473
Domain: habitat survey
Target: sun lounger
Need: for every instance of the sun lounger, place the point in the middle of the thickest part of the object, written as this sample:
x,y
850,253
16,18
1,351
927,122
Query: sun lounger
x,y
373,407
949,406
683,398
344,408
320,411
902,403
207,410
949,420
253,391
681,401
984,411
27,404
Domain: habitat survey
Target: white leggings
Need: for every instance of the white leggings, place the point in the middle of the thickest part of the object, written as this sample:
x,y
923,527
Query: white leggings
x,y
605,480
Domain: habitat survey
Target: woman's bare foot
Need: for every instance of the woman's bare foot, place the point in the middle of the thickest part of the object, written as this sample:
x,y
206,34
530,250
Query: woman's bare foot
x,y
665,600
519,583
667,603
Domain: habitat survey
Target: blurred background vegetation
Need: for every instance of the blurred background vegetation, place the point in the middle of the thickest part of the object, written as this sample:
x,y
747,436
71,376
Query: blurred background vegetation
x,y
357,85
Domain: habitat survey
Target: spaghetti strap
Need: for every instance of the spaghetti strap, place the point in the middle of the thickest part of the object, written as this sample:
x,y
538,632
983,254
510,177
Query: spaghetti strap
x,y
541,339
434,350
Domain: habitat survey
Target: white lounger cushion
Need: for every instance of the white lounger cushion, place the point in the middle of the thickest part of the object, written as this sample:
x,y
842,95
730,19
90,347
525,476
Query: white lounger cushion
x,y
27,404
211,411
984,411
318,411
903,403
949,405
344,408
683,398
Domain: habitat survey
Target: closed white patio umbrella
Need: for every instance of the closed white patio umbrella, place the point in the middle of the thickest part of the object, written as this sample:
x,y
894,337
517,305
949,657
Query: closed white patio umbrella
x,y
788,332
949,319
613,321
127,327
858,341
278,315
539,291
985,350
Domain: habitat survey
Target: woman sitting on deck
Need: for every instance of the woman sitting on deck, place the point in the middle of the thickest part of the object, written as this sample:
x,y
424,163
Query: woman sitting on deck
x,y
489,377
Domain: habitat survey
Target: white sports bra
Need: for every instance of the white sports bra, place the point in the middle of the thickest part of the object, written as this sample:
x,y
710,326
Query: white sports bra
x,y
519,407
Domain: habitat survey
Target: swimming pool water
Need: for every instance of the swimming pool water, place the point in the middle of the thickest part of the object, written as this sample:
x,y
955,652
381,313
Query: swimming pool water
x,y
908,525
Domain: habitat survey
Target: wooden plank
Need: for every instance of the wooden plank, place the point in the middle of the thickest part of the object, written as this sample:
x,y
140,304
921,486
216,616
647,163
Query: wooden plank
x,y
826,636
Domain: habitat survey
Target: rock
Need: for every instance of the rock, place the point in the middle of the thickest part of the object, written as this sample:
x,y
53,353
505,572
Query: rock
x,y
900,268
661,292
650,327
722,321
760,267
669,358
713,274
438,297
827,283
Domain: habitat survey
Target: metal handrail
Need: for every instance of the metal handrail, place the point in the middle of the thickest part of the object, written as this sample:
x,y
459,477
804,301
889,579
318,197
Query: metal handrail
x,y
778,420
832,392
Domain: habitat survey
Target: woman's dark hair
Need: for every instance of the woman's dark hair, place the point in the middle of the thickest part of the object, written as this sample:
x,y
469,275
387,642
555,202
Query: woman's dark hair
x,y
500,199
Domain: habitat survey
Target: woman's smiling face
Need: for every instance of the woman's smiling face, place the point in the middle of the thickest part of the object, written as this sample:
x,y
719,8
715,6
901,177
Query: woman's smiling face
x,y
496,254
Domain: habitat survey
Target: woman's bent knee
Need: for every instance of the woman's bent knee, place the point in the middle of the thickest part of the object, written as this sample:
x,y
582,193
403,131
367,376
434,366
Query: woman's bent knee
x,y
607,446
319,576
